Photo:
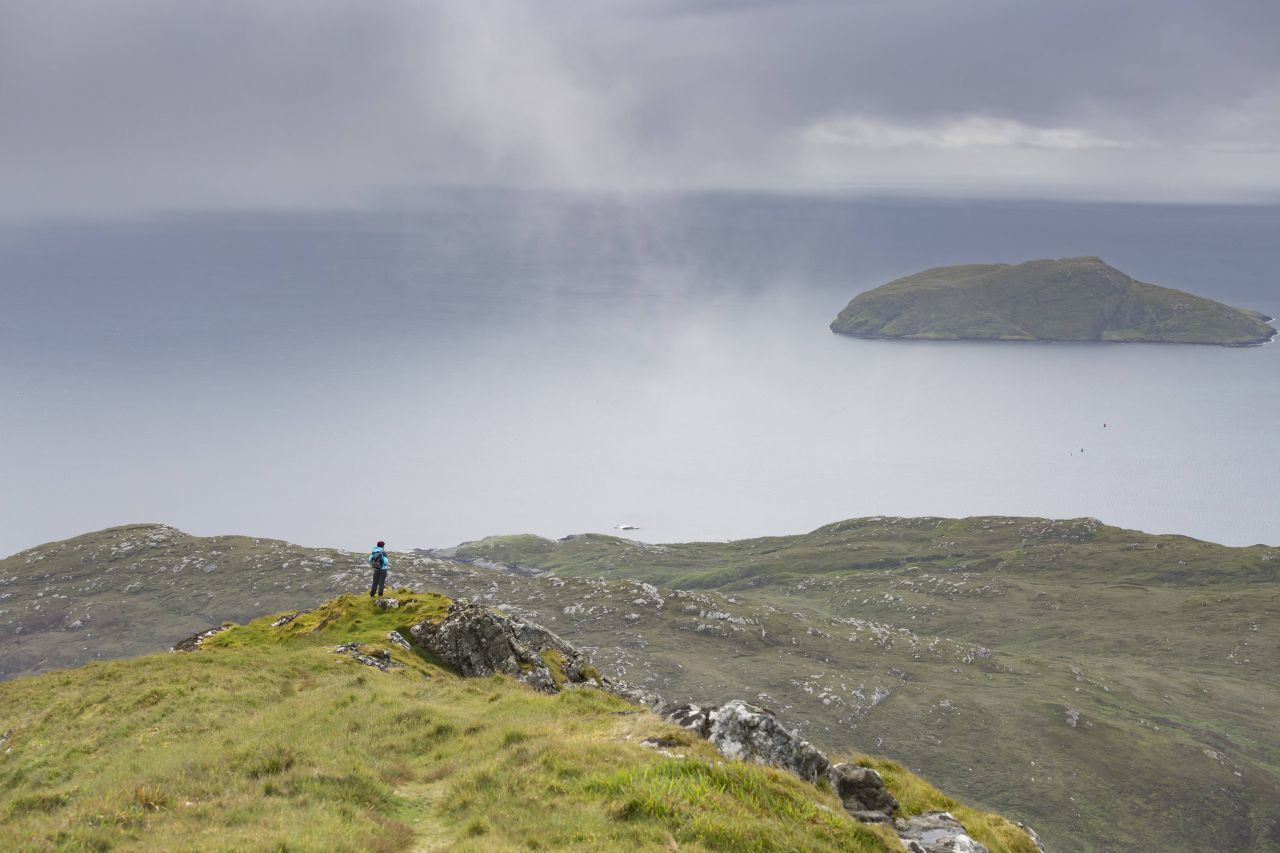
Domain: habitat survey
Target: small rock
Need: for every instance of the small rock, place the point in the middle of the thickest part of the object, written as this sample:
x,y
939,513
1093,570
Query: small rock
x,y
396,639
387,603
631,692
378,659
193,643
1035,839
936,832
287,618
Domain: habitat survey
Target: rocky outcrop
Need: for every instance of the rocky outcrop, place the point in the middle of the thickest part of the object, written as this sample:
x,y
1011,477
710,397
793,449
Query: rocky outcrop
x,y
746,732
385,604
936,832
862,792
479,641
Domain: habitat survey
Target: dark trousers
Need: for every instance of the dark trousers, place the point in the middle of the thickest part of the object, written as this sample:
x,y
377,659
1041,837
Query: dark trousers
x,y
379,582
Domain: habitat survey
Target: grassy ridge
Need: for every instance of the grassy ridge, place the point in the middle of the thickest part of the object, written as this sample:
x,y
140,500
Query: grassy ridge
x,y
1073,299
266,739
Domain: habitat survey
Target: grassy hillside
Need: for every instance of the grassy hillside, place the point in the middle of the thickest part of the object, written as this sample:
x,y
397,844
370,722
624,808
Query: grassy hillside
x,y
1113,689
1131,679
267,739
1074,299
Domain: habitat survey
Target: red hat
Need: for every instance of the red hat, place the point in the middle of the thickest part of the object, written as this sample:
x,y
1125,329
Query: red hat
x,y
382,544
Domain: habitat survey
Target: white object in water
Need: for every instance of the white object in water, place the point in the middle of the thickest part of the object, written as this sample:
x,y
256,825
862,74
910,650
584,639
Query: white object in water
x,y
625,527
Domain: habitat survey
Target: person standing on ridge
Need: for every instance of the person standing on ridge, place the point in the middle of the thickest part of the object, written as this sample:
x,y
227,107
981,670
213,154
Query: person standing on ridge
x,y
380,564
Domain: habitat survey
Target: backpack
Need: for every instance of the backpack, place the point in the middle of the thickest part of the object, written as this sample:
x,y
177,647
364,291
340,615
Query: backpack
x,y
377,558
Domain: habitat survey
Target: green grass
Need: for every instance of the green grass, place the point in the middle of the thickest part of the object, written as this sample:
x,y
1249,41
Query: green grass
x,y
916,796
267,739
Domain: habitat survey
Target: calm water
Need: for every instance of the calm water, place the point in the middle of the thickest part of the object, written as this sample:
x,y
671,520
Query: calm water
x,y
493,363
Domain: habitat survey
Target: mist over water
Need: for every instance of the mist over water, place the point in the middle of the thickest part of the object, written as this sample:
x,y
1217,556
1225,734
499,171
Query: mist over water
x,y
484,362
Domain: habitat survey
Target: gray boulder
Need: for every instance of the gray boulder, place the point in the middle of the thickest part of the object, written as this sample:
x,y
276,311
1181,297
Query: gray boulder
x,y
936,832
479,641
862,792
746,732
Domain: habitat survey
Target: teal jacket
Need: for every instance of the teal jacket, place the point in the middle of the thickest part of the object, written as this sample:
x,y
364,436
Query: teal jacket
x,y
378,559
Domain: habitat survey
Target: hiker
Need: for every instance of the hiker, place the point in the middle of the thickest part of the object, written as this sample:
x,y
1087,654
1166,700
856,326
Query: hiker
x,y
379,562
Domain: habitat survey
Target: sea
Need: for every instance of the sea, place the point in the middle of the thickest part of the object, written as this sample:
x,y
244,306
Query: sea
x,y
470,363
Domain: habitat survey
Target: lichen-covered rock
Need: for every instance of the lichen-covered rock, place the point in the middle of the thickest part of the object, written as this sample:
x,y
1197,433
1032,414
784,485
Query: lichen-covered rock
x,y
862,792
379,658
746,732
193,643
479,641
936,832
387,603
288,617
397,639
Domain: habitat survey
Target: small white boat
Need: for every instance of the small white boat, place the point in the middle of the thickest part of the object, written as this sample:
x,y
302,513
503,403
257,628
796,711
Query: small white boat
x,y
625,527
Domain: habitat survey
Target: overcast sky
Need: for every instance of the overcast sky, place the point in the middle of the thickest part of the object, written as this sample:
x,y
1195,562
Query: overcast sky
x,y
140,104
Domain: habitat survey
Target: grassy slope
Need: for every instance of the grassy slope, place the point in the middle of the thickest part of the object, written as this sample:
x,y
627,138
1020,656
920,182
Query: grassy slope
x,y
1167,650
1074,299
265,739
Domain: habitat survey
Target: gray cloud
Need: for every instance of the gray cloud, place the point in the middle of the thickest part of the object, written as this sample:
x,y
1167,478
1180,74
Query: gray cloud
x,y
149,103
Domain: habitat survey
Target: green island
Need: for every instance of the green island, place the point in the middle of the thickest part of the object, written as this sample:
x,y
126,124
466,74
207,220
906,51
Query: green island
x,y
1072,299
